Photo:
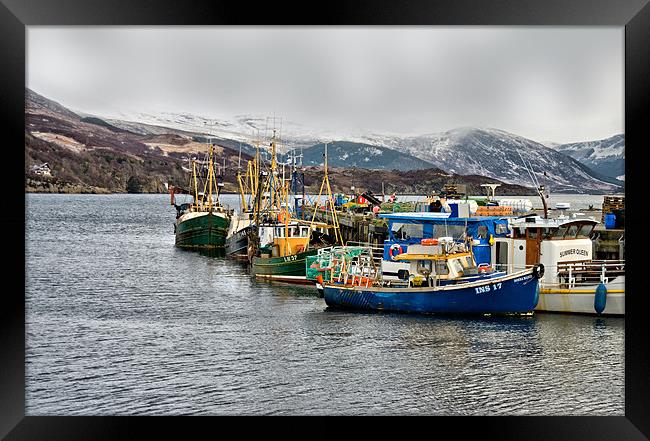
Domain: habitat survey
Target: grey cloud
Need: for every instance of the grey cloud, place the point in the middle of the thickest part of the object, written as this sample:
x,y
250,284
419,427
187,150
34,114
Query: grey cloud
x,y
561,84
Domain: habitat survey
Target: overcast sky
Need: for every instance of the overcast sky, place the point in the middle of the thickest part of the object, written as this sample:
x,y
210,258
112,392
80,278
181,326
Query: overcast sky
x,y
549,84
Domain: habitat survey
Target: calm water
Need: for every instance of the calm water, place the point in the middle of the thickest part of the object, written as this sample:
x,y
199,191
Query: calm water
x,y
120,322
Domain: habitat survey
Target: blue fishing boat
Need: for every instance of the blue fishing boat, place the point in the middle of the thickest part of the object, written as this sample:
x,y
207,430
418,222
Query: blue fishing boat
x,y
431,263
442,282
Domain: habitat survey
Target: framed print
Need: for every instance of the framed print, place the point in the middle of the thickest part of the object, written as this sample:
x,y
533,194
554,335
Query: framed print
x,y
191,170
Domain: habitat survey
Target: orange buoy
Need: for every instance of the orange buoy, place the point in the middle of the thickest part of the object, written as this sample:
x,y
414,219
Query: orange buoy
x,y
283,216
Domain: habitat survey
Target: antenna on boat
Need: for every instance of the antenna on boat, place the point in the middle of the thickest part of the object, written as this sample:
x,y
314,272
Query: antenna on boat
x,y
540,188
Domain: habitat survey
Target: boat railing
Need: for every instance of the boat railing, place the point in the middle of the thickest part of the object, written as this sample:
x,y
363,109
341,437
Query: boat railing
x,y
576,274
582,273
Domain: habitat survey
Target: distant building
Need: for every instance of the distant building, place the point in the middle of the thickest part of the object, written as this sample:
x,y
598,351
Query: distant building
x,y
42,169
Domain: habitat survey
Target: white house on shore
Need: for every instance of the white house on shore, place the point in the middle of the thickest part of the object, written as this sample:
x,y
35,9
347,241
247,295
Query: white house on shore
x,y
42,169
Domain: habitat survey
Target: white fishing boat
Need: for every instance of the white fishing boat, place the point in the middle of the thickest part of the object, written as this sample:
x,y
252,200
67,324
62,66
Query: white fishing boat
x,y
573,282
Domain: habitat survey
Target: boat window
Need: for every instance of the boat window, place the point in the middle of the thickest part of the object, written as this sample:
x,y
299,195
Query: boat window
x,y
572,231
500,228
585,230
559,233
482,232
547,233
424,266
441,268
533,233
456,265
455,231
407,231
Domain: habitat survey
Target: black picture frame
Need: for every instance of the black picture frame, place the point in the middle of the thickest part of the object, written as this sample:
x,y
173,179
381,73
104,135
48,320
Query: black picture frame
x,y
15,15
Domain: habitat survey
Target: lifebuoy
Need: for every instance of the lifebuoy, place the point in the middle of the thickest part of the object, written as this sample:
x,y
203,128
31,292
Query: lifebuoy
x,y
394,250
484,267
538,271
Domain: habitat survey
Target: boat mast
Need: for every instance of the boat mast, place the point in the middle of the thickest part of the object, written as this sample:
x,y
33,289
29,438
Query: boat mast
x,y
329,203
274,166
196,185
210,177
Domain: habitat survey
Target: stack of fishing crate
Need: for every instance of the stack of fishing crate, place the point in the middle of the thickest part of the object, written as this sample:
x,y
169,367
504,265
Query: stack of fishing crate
x,y
494,210
612,203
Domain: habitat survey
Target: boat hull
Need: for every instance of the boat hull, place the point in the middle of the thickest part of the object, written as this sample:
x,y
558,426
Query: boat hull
x,y
582,300
237,244
512,294
290,269
201,231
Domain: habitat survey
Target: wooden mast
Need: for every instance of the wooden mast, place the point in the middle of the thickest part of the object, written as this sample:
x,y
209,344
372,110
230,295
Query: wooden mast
x,y
329,202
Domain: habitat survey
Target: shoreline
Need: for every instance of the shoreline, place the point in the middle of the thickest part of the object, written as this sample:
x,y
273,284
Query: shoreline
x,y
103,191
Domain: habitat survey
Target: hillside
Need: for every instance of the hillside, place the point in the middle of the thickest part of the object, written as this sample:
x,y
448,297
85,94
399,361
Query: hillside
x,y
90,154
403,182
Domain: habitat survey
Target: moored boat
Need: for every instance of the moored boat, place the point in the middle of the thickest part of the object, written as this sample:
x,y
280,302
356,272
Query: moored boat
x,y
203,223
441,288
242,224
574,281
201,229
237,238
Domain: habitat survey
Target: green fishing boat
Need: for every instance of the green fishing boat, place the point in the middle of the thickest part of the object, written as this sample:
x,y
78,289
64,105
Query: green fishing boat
x,y
202,224
289,268
281,244
201,230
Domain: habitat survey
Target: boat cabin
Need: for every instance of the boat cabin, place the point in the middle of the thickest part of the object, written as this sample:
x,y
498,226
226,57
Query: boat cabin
x,y
406,232
280,239
551,242
434,269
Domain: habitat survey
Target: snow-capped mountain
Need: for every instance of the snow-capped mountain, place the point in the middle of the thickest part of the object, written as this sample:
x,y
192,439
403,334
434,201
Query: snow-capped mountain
x,y
499,154
241,128
352,154
606,156
468,150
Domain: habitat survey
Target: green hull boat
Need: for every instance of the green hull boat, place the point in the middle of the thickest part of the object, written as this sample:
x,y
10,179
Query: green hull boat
x,y
201,230
287,269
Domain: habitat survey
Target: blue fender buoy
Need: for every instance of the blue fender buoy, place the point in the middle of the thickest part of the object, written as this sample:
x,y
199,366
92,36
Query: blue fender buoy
x,y
536,299
600,299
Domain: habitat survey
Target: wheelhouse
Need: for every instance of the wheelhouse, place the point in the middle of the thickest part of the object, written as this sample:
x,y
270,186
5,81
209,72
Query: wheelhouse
x,y
551,242
407,230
